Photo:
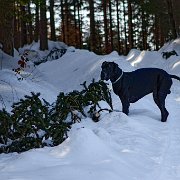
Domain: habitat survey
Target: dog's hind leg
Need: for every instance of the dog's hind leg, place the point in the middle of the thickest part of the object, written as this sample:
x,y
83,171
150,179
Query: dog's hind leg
x,y
160,95
159,99
164,112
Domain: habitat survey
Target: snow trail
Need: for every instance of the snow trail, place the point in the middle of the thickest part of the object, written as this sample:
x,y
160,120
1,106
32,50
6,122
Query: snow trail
x,y
155,142
170,166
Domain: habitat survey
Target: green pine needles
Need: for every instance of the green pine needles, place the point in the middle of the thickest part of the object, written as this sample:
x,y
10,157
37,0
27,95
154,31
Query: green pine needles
x,y
34,123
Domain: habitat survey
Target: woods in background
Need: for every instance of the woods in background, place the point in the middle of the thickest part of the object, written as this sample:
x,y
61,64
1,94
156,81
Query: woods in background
x,y
100,26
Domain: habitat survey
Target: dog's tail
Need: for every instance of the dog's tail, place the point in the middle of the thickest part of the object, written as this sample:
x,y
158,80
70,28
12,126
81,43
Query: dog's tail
x,y
175,77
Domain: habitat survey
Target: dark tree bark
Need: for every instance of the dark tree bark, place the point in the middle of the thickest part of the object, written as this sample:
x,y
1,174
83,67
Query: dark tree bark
x,y
161,33
7,26
92,26
156,32
144,30
52,21
176,14
105,24
43,27
111,27
130,25
66,19
23,26
79,25
75,23
118,25
125,33
17,32
62,22
171,18
30,26
37,23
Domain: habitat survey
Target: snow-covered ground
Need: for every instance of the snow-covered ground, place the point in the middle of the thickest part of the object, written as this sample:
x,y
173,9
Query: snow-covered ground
x,y
118,147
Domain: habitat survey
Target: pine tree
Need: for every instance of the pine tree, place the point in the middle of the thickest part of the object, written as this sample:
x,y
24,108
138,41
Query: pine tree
x,y
5,126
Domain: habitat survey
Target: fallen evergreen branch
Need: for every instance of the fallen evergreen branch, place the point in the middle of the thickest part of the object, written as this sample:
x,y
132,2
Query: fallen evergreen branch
x,y
34,123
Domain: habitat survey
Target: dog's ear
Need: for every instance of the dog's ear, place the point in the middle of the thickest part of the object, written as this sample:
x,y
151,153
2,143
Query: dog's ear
x,y
115,68
104,64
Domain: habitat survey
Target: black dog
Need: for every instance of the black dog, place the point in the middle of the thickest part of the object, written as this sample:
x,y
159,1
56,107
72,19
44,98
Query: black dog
x,y
132,86
166,55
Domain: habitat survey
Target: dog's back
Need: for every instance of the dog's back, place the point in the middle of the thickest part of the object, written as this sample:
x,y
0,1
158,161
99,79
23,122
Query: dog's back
x,y
146,80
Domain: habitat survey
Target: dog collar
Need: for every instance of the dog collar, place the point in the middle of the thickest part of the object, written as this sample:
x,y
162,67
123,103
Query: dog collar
x,y
118,78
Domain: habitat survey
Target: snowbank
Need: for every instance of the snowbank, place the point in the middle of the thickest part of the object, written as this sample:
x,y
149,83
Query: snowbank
x,y
146,59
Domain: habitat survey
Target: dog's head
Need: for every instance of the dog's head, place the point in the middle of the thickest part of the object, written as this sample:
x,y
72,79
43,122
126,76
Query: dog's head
x,y
108,70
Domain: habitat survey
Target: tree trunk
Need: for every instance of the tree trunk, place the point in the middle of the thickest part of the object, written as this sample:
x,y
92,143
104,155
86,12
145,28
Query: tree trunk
x,y
75,24
30,26
161,33
118,26
144,30
130,24
52,21
111,27
66,18
17,33
105,24
37,23
23,26
7,26
79,26
171,18
156,32
43,27
125,33
62,22
92,26
176,7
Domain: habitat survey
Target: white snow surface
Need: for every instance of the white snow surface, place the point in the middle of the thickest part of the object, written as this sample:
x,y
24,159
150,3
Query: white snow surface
x,y
118,147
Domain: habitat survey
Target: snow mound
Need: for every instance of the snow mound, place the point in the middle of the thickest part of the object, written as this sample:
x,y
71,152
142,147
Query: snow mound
x,y
84,145
146,59
12,90
132,55
8,62
85,66
170,46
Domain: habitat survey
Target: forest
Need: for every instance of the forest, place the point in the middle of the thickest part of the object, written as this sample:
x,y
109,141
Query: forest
x,y
99,26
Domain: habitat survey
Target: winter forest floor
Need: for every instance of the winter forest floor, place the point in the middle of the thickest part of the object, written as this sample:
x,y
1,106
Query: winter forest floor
x,y
118,147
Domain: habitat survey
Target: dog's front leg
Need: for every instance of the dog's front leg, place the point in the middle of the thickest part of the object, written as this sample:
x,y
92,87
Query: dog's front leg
x,y
125,105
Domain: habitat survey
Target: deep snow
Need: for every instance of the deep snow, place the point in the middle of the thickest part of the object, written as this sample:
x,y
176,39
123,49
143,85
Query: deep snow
x,y
118,147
